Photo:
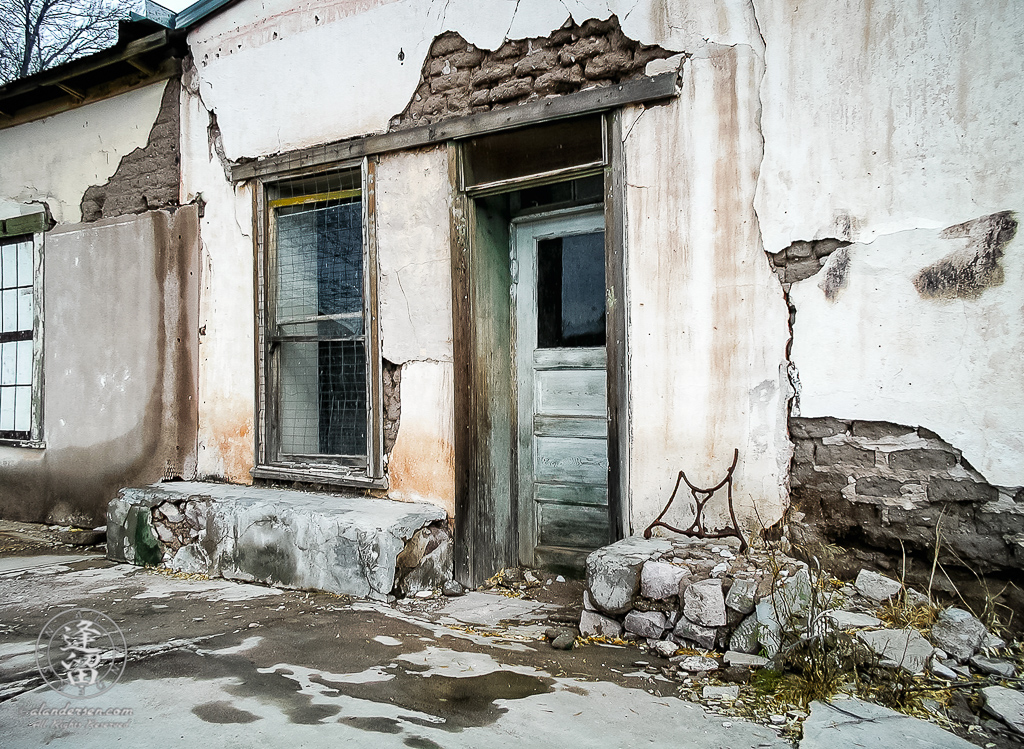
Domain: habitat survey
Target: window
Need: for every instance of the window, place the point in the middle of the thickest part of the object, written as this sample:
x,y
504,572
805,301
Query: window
x,y
20,345
320,363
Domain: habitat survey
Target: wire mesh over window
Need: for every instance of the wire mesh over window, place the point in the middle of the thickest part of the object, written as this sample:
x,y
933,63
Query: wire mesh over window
x,y
16,324
318,337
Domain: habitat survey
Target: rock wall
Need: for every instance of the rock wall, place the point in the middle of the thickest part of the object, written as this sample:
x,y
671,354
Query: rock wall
x,y
459,79
883,490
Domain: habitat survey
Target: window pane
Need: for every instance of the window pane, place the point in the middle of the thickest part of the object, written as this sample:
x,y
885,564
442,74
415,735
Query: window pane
x,y
8,310
25,264
571,291
8,362
320,265
323,398
23,369
8,265
6,408
22,409
24,309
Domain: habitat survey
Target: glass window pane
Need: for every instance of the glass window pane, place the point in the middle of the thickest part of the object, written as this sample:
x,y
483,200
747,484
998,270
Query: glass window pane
x,y
24,308
8,362
6,408
571,291
25,264
23,369
323,398
22,409
8,310
8,265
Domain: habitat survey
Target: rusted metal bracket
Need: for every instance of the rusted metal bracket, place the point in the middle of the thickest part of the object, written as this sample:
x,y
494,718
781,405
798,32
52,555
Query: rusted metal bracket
x,y
697,529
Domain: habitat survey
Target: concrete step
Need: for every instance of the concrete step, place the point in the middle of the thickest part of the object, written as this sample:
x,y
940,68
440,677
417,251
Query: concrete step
x,y
349,545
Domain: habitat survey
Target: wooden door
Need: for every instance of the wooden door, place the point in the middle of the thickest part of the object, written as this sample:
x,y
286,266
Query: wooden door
x,y
558,278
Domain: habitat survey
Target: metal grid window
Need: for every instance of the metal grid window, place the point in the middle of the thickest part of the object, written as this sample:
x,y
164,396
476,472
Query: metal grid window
x,y
17,338
319,368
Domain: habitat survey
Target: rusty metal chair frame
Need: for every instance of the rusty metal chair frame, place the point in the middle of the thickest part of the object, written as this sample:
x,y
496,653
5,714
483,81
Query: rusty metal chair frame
x,y
697,529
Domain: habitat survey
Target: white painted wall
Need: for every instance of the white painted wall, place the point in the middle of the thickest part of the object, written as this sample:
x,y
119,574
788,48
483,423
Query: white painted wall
x,y
57,159
707,320
227,374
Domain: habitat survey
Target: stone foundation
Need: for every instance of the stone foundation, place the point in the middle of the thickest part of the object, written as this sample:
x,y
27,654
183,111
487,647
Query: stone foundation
x,y
358,546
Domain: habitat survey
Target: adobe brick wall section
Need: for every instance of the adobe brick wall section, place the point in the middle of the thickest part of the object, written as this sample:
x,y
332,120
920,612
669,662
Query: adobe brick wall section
x,y
459,79
391,374
147,178
882,489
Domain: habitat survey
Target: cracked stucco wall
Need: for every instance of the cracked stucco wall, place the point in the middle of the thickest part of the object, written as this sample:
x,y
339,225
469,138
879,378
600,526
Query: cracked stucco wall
x,y
415,306
57,159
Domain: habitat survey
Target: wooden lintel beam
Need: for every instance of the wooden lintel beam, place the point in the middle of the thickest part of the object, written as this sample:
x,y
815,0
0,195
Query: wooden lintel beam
x,y
140,66
74,93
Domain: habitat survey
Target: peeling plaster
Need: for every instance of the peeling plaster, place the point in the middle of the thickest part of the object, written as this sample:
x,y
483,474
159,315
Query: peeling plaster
x,y
55,160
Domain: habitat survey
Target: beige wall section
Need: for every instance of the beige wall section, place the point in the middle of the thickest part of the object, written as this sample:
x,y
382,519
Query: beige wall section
x,y
707,319
247,56
56,159
422,467
227,389
414,255
888,116
119,399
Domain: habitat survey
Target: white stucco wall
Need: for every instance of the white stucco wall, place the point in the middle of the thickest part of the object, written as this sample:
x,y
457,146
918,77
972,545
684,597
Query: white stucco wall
x,y
57,159
707,328
227,374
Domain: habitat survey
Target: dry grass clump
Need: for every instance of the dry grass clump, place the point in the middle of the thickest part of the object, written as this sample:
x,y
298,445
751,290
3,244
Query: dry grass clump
x,y
901,614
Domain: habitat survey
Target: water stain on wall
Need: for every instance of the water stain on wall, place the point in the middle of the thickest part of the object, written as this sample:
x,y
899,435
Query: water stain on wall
x,y
966,273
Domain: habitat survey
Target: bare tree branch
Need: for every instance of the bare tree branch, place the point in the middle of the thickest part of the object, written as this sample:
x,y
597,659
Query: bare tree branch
x,y
40,34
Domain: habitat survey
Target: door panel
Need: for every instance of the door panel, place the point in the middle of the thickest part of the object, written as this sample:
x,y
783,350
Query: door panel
x,y
561,383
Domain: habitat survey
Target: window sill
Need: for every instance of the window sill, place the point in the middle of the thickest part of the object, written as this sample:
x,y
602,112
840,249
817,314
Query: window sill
x,y
318,476
29,444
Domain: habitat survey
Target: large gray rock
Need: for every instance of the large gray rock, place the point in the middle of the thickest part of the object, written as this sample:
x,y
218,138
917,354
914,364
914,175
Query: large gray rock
x,y
646,624
875,586
959,633
593,624
768,629
1007,705
994,666
741,596
845,620
704,604
613,572
905,648
744,638
694,663
703,636
853,723
660,580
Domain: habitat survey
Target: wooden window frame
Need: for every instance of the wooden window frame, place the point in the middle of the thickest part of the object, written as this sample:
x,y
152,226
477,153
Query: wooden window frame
x,y
335,471
31,227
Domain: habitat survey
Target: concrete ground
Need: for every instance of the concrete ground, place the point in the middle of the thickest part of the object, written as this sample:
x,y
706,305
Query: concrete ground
x,y
231,664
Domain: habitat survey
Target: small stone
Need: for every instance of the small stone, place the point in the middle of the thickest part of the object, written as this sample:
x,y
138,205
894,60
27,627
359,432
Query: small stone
x,y
903,648
424,594
741,596
559,579
745,659
941,671
646,623
744,637
992,641
995,666
564,641
1005,704
959,633
845,620
593,624
694,663
875,586
704,604
659,580
729,692
665,648
163,532
778,720
452,589
703,636
171,512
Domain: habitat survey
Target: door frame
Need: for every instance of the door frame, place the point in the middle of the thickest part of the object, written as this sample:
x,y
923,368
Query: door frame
x,y
482,536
